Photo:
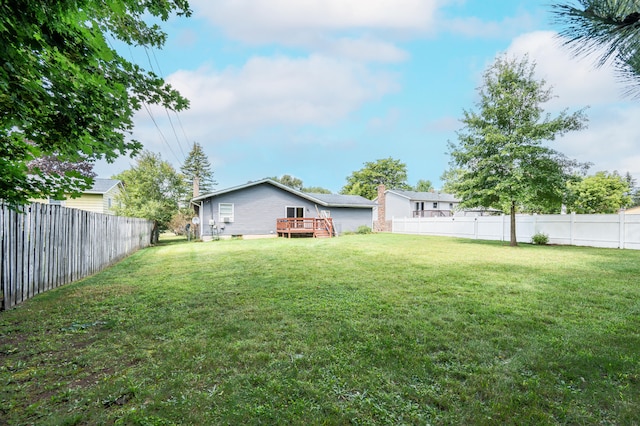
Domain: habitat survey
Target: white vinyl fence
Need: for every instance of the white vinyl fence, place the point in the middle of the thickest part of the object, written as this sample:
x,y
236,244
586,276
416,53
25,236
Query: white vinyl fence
x,y
594,230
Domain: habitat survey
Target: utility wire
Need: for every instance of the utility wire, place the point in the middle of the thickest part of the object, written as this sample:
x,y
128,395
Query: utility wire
x,y
146,50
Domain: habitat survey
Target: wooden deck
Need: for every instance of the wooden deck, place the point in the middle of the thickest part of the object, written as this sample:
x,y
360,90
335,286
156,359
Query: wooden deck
x,y
305,227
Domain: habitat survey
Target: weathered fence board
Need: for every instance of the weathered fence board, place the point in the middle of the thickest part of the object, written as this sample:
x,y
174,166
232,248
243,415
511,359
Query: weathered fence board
x,y
46,246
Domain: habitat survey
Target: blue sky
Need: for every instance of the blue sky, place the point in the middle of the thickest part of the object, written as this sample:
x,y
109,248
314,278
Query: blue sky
x,y
316,88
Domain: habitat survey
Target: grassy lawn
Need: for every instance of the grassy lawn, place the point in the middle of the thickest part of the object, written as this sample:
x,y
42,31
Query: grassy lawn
x,y
364,329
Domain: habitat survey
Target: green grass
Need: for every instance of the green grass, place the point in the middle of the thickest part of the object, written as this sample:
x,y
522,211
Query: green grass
x,y
362,329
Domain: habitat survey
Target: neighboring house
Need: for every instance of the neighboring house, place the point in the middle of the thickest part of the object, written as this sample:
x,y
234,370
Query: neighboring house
x,y
397,203
100,198
253,209
632,210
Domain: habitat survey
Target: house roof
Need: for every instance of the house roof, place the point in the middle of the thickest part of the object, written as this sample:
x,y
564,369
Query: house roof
x,y
325,200
102,186
425,196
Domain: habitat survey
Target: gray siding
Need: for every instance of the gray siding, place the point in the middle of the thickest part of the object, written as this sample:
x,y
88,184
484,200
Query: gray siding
x,y
256,209
349,219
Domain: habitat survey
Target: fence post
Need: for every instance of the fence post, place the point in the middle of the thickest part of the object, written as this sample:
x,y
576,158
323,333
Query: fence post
x,y
572,223
621,221
475,228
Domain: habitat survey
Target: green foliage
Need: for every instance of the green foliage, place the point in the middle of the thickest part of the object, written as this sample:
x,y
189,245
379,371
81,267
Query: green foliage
x,y
197,167
153,190
295,183
363,229
610,28
316,190
500,160
180,220
387,171
65,92
423,186
601,193
290,181
540,239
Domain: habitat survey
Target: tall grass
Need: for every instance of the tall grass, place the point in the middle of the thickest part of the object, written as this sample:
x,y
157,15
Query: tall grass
x,y
363,329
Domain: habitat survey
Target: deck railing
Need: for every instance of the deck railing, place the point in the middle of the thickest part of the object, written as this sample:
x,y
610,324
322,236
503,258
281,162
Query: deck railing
x,y
432,213
314,226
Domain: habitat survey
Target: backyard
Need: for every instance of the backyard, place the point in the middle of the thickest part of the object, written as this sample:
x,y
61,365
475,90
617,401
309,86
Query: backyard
x,y
360,329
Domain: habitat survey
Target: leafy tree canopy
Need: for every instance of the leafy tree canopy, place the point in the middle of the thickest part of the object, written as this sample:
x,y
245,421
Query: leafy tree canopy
x,y
387,171
500,160
197,172
290,181
423,185
64,91
152,190
609,27
601,193
295,183
316,190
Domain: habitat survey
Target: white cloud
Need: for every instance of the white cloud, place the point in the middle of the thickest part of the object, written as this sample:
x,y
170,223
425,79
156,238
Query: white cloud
x,y
575,81
268,92
476,27
261,21
358,30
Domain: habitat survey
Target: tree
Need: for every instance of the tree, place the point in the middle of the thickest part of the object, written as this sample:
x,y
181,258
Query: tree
x,y
197,172
634,191
387,171
424,185
611,27
51,169
153,190
316,190
500,160
290,181
65,92
601,193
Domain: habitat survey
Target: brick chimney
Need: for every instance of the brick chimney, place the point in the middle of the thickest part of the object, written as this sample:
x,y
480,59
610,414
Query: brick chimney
x,y
381,224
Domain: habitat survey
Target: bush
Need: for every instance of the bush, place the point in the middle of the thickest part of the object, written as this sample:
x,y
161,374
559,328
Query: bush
x,y
363,230
540,239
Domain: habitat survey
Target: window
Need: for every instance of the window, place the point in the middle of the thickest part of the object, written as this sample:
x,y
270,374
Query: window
x,y
109,203
225,212
435,205
295,211
55,202
450,206
420,205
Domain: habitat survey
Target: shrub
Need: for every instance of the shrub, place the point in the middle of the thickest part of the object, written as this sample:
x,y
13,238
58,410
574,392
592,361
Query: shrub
x,y
540,239
363,230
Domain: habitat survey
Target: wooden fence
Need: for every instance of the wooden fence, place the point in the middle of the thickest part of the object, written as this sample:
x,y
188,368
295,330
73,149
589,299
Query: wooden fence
x,y
45,246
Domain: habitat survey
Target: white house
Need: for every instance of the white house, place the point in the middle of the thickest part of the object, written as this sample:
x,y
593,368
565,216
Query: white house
x,y
397,203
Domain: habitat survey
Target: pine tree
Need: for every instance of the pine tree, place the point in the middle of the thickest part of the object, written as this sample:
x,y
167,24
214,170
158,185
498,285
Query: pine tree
x,y
611,27
197,172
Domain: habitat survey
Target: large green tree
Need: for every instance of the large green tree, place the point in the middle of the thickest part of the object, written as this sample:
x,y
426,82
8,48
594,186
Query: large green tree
x,y
424,185
152,190
610,28
197,172
386,171
602,192
65,92
500,160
